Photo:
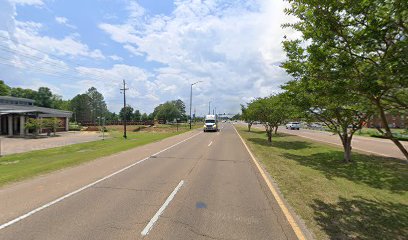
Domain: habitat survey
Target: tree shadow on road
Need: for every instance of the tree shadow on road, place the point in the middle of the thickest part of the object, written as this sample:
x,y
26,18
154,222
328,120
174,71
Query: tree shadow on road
x,y
361,218
375,171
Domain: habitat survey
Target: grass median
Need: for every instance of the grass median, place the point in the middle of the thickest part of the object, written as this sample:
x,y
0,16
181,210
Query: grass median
x,y
16,167
366,199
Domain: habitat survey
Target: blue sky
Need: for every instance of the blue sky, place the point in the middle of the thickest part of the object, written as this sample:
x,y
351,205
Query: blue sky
x,y
232,46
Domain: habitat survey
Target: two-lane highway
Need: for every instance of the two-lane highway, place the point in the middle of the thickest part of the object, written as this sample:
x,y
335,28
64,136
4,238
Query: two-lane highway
x,y
203,188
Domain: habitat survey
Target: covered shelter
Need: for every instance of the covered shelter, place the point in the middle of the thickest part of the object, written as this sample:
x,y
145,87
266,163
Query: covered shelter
x,y
14,113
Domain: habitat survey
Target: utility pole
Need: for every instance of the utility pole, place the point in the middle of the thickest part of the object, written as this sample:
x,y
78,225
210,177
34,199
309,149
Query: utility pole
x,y
209,107
124,89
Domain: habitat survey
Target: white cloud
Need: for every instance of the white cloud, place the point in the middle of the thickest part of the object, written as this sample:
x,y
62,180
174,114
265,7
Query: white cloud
x,y
61,20
28,2
116,58
133,50
233,46
64,21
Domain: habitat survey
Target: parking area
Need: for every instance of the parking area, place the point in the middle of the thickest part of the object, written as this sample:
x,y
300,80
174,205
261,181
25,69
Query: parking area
x,y
20,145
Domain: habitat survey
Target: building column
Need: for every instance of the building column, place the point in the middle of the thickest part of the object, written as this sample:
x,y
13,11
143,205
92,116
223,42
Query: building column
x,y
10,125
15,123
22,125
67,124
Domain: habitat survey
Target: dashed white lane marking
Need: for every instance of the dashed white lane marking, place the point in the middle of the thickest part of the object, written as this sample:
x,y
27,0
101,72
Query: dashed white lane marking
x,y
86,187
154,219
210,143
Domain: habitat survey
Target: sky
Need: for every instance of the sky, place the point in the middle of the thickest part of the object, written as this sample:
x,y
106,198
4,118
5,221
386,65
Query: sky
x,y
231,47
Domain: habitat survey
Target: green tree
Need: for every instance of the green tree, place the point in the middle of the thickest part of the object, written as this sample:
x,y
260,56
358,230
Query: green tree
x,y
97,104
271,111
34,124
111,117
369,38
53,124
168,111
4,89
23,93
137,115
144,117
43,98
322,89
126,112
80,105
58,103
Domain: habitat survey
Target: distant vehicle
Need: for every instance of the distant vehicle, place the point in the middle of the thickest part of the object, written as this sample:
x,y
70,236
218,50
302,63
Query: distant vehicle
x,y
211,123
316,125
293,125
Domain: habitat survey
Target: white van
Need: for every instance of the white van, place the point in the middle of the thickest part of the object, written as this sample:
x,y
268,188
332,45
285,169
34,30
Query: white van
x,y
293,125
211,123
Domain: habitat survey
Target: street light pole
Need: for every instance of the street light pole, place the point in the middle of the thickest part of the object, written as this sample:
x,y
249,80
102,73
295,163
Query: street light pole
x,y
191,98
209,107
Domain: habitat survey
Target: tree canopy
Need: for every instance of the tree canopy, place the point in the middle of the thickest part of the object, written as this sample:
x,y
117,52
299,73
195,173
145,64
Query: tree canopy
x,y
354,49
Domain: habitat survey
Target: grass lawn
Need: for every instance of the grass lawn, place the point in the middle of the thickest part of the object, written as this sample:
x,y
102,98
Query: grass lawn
x,y
367,199
401,134
20,166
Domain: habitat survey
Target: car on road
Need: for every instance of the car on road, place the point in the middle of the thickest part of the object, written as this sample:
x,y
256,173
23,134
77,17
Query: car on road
x,y
293,125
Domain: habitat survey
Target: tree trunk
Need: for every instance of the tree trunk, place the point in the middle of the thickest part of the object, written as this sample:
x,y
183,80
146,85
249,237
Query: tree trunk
x,y
347,150
346,141
276,130
388,133
249,126
269,133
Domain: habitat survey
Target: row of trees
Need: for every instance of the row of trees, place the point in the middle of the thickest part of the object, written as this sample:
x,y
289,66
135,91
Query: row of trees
x,y
89,106
43,96
349,66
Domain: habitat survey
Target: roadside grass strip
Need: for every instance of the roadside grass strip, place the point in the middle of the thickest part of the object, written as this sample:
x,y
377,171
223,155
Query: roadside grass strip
x,y
365,199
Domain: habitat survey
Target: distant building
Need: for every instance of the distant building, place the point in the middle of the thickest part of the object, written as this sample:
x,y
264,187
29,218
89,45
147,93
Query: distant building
x,y
394,121
14,113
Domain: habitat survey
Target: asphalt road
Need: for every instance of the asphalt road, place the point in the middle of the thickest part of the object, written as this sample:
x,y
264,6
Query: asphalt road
x,y
376,146
203,188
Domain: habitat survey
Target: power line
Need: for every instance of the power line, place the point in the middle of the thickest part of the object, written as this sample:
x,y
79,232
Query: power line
x,y
33,57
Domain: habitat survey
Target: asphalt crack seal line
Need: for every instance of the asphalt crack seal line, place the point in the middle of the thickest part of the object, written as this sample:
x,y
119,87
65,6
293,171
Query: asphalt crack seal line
x,y
285,210
154,219
87,186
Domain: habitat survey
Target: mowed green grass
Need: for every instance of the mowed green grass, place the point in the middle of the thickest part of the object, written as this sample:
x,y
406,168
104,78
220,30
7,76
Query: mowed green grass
x,y
366,199
21,166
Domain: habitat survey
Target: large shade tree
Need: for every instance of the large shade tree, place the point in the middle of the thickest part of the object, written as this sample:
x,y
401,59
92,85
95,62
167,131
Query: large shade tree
x,y
369,38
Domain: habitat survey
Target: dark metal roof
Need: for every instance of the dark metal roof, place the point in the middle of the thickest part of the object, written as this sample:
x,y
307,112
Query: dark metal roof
x,y
47,112
17,99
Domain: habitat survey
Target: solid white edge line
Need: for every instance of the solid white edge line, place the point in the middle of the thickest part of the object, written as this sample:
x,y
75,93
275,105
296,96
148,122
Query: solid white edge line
x,y
86,187
210,143
154,219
